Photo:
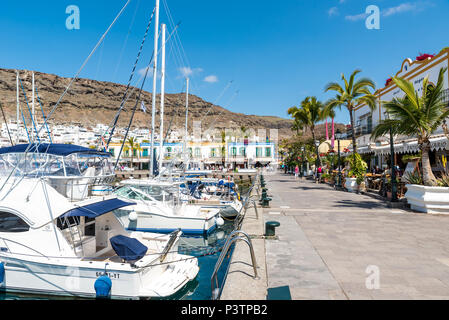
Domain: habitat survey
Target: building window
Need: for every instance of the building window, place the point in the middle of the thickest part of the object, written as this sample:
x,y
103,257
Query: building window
x,y
258,152
197,152
233,151
12,223
190,151
243,151
268,152
112,151
145,152
213,153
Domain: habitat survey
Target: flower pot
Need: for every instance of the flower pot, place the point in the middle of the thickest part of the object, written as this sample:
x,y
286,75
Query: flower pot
x,y
433,200
351,184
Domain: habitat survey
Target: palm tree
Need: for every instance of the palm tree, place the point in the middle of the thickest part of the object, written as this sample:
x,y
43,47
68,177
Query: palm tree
x,y
353,94
308,115
132,146
416,116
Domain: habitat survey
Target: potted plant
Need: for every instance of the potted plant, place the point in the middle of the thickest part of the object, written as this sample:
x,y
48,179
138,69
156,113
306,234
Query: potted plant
x,y
357,172
419,116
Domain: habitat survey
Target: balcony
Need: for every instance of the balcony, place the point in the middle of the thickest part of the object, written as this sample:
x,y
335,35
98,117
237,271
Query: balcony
x,y
363,130
445,96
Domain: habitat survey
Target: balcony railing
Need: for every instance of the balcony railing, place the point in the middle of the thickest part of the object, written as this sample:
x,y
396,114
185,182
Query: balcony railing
x,y
445,96
362,130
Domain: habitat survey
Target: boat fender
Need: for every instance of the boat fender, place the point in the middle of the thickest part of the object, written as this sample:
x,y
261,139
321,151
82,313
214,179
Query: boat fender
x,y
103,286
132,216
2,272
219,221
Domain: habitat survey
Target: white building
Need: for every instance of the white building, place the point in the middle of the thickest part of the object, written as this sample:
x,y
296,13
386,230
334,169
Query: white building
x,y
365,120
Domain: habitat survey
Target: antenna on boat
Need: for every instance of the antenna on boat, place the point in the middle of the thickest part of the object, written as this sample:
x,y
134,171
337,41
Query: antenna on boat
x,y
187,116
162,99
18,107
153,109
32,101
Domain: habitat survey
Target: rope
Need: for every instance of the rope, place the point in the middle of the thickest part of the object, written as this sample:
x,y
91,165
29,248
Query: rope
x,y
130,79
43,115
66,90
6,123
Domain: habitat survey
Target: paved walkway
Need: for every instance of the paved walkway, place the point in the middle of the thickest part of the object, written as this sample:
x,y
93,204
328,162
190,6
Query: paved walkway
x,y
338,245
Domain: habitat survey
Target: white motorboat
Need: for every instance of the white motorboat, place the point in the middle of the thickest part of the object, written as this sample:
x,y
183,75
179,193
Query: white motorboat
x,y
151,215
53,244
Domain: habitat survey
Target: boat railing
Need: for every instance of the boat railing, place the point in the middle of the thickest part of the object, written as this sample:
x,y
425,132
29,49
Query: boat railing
x,y
248,200
77,188
6,240
236,235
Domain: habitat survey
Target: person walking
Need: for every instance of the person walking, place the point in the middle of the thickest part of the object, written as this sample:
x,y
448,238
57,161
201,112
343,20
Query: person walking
x,y
296,172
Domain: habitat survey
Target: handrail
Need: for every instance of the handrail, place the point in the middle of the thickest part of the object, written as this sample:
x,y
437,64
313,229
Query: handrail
x,y
233,237
21,244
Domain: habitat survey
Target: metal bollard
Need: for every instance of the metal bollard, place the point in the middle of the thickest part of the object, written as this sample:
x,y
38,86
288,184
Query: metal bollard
x,y
270,227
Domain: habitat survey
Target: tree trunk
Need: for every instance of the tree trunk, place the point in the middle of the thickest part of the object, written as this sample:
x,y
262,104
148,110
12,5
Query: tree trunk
x,y
354,144
316,147
428,177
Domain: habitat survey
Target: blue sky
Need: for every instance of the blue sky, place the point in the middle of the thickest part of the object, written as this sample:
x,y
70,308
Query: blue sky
x,y
275,52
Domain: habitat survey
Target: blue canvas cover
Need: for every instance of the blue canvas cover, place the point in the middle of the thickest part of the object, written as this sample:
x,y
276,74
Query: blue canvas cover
x,y
129,249
52,148
97,209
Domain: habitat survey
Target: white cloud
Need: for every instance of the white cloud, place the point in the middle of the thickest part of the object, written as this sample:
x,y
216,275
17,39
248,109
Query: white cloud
x,y
188,72
332,11
404,7
211,79
143,70
356,17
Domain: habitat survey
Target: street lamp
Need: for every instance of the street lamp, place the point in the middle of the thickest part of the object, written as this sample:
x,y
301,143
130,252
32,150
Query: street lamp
x,y
318,161
339,135
303,162
394,185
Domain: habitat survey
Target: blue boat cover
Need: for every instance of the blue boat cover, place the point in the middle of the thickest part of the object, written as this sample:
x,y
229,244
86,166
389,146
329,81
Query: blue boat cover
x,y
129,249
97,209
53,148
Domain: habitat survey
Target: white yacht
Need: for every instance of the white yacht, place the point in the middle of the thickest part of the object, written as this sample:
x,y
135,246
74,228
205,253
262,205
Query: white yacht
x,y
58,238
158,209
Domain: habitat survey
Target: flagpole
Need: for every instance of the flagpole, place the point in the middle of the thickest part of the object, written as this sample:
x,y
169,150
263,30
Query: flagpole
x,y
153,111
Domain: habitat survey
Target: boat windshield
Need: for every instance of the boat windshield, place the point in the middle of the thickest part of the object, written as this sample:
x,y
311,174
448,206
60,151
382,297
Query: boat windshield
x,y
146,193
44,164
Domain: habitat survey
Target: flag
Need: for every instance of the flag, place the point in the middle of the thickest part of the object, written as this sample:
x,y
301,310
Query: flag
x,y
103,142
142,106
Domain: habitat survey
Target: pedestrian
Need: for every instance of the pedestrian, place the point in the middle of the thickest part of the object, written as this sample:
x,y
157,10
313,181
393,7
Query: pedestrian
x,y
319,173
296,172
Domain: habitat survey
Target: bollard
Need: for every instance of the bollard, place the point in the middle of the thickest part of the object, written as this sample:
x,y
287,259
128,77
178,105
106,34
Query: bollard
x,y
270,227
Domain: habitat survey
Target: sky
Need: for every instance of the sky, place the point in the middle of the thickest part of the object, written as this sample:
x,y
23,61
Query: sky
x,y
254,57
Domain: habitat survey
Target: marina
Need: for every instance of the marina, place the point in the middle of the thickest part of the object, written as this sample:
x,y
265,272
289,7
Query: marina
x,y
223,159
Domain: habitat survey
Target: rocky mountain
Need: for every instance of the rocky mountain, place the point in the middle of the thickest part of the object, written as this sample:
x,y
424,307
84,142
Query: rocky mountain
x,y
89,102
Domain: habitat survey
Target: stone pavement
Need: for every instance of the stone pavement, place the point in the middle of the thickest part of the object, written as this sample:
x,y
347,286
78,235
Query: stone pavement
x,y
339,245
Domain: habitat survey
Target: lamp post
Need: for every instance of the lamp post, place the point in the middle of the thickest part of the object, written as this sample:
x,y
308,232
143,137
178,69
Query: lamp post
x,y
394,185
339,135
302,164
318,161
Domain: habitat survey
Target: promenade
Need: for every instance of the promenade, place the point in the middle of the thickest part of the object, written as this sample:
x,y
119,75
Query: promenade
x,y
339,245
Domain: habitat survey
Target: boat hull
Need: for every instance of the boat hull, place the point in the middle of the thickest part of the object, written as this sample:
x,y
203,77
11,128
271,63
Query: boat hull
x,y
78,280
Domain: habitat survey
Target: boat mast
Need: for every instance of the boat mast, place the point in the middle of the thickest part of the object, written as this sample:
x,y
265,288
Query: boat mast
x,y
163,26
187,116
18,107
153,110
32,101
